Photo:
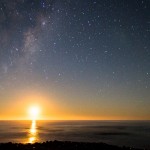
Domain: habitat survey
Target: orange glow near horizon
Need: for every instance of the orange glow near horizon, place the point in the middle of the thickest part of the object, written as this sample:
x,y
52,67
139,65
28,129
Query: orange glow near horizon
x,y
43,106
30,106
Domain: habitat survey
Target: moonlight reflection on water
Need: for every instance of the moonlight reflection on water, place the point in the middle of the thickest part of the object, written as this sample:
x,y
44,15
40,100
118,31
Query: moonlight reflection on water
x,y
33,132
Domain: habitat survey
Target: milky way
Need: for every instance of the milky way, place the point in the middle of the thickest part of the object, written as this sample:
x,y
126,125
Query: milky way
x,y
92,55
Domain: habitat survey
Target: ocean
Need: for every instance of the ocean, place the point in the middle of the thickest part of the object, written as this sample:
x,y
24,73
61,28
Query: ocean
x,y
122,133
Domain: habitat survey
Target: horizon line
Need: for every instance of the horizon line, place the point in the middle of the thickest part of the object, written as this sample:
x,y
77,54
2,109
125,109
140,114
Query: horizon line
x,y
75,119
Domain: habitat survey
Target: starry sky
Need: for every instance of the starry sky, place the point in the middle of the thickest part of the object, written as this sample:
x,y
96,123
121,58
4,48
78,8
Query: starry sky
x,y
78,59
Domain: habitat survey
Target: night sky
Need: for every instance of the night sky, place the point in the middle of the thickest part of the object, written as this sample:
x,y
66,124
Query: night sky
x,y
85,59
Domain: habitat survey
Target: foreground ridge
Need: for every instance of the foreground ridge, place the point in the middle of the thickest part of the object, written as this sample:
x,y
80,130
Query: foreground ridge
x,y
62,145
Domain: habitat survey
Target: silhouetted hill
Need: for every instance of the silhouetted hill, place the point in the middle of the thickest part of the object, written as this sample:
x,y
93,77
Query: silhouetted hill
x,y
62,145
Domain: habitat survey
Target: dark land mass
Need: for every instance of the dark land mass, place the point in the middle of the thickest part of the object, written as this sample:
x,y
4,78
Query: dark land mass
x,y
62,145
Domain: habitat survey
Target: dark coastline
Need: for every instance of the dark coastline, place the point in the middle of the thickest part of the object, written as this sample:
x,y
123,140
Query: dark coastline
x,y
62,145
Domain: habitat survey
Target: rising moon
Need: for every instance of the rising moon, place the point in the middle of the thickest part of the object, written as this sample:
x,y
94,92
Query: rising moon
x,y
34,112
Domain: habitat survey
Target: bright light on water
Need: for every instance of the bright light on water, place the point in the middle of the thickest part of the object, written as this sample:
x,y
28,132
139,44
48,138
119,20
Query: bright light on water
x,y
119,133
33,132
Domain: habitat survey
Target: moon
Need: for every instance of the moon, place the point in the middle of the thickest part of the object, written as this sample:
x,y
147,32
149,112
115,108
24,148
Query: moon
x,y
34,112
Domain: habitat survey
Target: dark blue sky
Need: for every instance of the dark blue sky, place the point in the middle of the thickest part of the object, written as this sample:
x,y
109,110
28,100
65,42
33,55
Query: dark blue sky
x,y
92,56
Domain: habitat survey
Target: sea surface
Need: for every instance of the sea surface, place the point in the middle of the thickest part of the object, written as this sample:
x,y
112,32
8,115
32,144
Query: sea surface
x,y
122,133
